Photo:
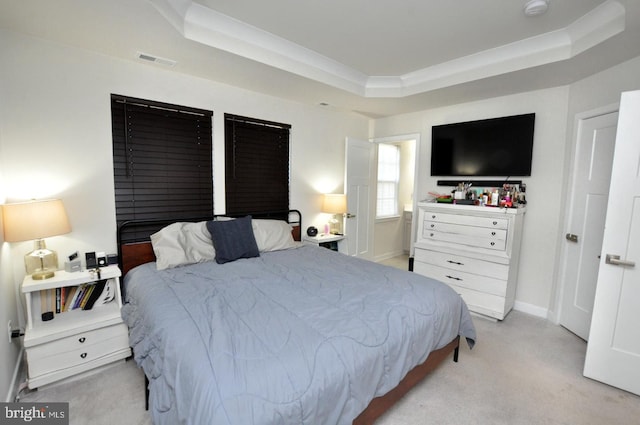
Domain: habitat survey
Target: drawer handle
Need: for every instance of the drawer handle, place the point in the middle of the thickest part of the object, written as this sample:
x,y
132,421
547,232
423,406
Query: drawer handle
x,y
452,277
493,243
433,216
431,234
82,340
433,225
455,262
493,233
83,355
495,223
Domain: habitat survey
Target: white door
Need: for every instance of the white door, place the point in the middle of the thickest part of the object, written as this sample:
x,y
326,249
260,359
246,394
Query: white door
x,y
587,211
358,174
613,351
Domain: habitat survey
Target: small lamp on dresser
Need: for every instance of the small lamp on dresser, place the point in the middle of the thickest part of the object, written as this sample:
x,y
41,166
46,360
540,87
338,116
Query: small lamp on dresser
x,y
36,220
335,204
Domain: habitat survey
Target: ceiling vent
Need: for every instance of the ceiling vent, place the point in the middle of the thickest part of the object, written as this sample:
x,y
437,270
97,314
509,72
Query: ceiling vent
x,y
155,59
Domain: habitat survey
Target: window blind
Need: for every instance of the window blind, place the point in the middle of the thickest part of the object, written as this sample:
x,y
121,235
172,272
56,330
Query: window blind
x,y
162,161
256,165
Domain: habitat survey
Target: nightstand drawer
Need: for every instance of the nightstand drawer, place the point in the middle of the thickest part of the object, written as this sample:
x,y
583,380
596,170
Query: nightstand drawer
x,y
76,342
77,356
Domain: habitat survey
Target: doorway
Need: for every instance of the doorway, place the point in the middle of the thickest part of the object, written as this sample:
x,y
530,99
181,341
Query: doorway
x,y
589,193
392,232
361,188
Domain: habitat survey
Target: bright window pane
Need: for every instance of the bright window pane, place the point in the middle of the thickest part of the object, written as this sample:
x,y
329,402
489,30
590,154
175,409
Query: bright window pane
x,y
388,177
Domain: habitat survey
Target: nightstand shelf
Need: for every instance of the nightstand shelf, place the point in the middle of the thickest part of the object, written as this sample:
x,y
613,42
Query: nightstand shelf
x,y
76,340
333,242
72,322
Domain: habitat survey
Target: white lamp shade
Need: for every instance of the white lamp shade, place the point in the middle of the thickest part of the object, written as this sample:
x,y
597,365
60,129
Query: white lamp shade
x,y
334,203
34,220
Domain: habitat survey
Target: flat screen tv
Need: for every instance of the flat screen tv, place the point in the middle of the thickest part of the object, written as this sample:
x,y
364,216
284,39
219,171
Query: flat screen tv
x,y
497,147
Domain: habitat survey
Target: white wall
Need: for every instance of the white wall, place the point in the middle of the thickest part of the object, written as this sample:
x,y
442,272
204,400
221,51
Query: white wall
x,y
9,352
55,141
542,220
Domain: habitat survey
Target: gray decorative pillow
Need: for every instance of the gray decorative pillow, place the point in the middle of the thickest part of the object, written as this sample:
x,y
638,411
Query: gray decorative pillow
x,y
233,239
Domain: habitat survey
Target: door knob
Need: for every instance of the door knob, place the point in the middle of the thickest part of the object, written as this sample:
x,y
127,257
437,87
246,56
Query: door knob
x,y
571,237
616,261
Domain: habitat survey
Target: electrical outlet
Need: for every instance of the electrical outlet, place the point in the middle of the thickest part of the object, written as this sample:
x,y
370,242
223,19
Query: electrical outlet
x,y
9,328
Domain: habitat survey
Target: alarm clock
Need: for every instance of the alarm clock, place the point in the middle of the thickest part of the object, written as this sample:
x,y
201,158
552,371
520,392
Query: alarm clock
x,y
312,231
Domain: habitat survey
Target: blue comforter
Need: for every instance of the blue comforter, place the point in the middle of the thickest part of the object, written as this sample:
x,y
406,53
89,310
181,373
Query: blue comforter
x,y
300,336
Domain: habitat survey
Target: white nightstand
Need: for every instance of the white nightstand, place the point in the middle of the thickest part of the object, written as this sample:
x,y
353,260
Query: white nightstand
x,y
75,340
333,242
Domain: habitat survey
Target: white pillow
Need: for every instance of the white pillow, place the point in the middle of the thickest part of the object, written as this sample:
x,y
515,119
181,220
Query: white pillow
x,y
182,243
272,235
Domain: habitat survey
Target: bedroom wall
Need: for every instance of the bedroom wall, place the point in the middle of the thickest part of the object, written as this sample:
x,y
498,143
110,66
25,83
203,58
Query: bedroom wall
x,y
55,140
9,352
542,220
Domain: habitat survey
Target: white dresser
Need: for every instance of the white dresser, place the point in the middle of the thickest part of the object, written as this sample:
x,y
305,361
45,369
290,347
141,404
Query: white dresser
x,y
474,250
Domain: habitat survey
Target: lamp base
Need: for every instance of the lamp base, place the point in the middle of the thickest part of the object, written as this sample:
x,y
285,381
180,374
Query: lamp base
x,y
41,263
45,274
335,224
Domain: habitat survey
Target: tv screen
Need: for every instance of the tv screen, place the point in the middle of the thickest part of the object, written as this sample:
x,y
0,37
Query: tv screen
x,y
498,147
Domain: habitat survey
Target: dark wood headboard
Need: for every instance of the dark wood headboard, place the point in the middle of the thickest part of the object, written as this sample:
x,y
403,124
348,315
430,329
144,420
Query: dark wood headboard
x,y
132,253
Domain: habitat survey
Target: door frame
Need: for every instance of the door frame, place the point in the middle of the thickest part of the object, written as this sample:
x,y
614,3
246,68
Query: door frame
x,y
561,270
374,183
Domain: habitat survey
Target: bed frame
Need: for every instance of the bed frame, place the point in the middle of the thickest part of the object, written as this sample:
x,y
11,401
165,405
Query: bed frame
x,y
132,254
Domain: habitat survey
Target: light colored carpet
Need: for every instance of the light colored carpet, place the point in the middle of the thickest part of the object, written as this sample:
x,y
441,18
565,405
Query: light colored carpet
x,y
523,370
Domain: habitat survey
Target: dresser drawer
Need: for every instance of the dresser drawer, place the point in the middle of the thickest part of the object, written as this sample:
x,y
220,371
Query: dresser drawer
x,y
463,264
77,356
492,243
479,302
462,279
458,229
77,341
468,220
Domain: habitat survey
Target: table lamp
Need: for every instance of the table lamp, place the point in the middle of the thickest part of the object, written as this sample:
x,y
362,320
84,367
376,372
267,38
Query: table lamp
x,y
335,204
35,220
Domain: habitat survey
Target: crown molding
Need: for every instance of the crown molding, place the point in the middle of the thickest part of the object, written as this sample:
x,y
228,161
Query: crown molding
x,y
204,25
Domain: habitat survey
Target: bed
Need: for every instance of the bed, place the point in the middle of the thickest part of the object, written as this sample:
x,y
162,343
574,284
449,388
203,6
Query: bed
x,y
297,334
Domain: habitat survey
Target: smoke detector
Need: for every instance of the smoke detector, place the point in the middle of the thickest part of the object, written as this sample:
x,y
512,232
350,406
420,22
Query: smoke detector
x,y
535,7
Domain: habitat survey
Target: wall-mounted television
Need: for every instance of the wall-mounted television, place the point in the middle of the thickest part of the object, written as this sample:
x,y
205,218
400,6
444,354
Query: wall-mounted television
x,y
497,147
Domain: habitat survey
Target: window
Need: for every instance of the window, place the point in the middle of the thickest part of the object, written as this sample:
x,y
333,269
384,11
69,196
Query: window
x,y
162,161
256,165
388,177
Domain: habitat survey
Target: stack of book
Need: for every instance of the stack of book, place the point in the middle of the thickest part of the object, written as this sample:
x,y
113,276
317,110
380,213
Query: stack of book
x,y
83,297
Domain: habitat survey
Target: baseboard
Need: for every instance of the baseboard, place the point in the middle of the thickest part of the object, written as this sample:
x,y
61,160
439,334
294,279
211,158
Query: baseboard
x,y
15,380
531,309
